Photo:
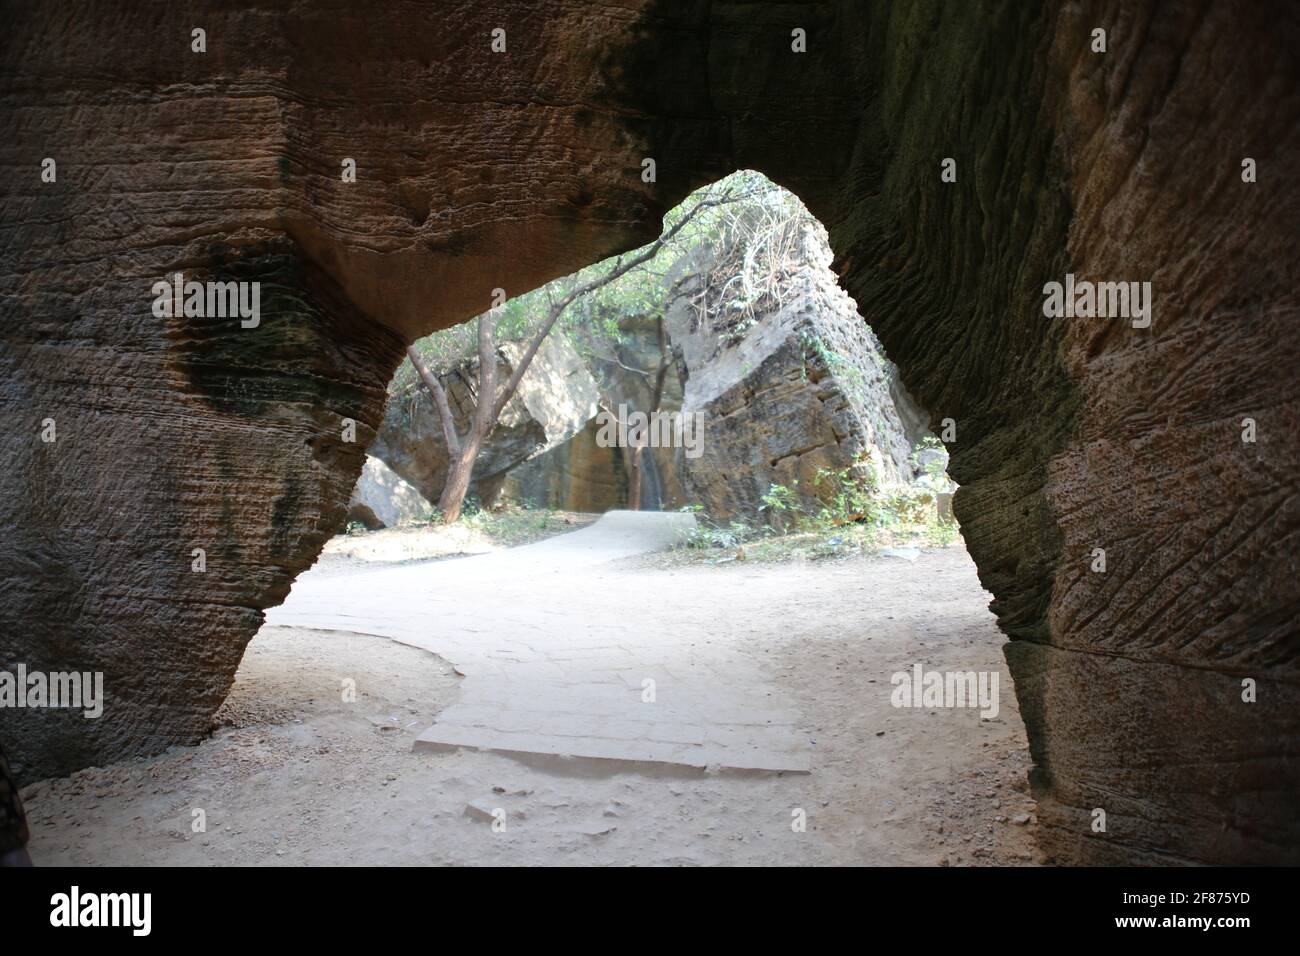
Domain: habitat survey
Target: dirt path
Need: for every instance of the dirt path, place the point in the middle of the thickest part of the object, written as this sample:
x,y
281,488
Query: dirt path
x,y
301,776
561,659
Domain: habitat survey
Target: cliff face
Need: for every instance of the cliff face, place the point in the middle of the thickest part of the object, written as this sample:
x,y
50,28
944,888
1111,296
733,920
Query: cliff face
x,y
1139,688
584,475
478,170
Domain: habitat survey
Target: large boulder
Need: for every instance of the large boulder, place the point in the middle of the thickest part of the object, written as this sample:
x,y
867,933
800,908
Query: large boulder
x,y
791,386
382,499
555,400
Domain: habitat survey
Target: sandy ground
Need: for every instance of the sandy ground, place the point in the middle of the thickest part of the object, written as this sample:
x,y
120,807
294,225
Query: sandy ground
x,y
405,545
298,775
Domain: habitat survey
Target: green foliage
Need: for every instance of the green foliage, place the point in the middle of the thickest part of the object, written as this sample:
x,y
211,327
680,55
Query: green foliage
x,y
433,516
942,533
710,535
934,467
779,499
511,525
905,506
849,495
855,513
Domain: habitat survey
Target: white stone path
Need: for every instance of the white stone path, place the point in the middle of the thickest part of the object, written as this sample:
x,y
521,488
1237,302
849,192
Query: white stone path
x,y
557,647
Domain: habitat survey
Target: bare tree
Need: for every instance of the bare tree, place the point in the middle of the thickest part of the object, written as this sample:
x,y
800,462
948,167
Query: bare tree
x,y
490,402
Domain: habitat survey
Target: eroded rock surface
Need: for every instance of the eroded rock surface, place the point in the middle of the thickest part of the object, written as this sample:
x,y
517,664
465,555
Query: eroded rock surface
x,y
477,170
791,390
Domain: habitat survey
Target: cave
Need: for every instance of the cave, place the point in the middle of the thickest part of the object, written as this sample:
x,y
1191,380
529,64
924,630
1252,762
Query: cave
x,y
1165,158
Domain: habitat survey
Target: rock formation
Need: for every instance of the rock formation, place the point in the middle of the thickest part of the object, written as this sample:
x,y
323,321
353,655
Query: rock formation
x,y
555,400
791,389
382,499
131,441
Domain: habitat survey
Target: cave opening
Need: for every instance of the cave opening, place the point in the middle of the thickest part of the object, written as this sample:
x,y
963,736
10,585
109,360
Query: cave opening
x,y
1128,482
702,598
705,557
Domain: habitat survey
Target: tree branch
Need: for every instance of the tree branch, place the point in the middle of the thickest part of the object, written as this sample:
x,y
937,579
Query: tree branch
x,y
621,268
439,398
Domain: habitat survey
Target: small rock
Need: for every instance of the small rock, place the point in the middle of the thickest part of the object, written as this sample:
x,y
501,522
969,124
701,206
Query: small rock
x,y
907,554
480,810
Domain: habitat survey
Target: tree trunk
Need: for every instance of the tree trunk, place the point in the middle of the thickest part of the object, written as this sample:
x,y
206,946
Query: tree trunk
x,y
486,413
456,488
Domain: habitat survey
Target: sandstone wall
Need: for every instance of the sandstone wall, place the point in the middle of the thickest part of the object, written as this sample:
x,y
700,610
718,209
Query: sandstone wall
x,y
175,435
1122,166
